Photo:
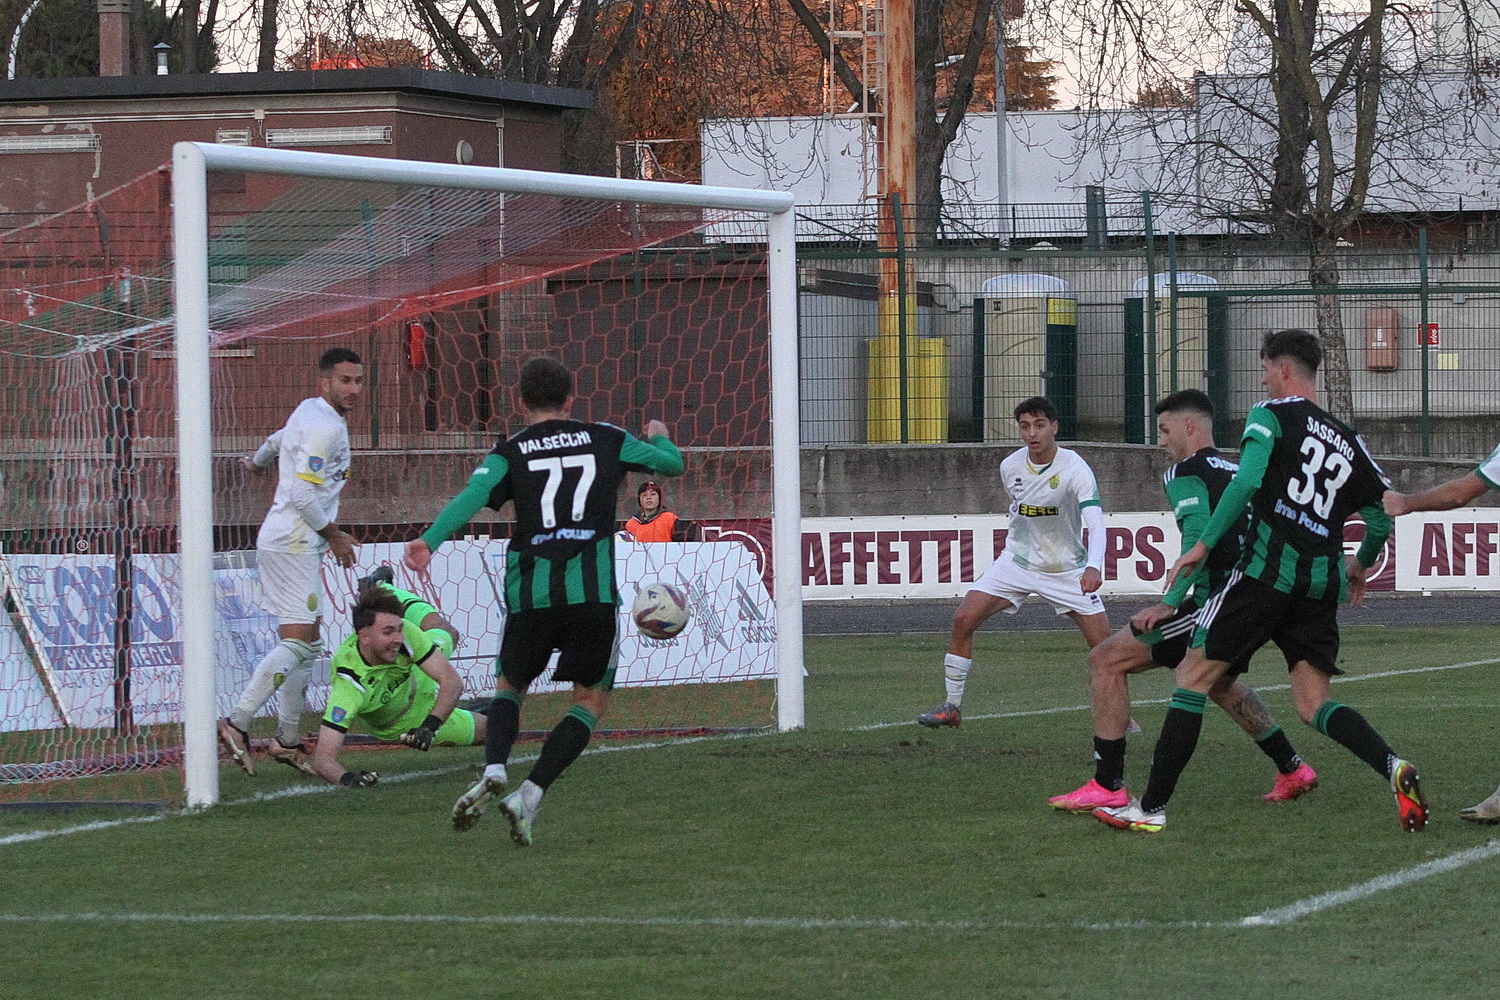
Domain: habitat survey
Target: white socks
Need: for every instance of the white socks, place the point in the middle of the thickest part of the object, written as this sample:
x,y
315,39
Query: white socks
x,y
293,700
955,676
288,666
531,795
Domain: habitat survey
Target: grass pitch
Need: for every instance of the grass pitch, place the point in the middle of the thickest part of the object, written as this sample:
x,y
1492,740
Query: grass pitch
x,y
863,857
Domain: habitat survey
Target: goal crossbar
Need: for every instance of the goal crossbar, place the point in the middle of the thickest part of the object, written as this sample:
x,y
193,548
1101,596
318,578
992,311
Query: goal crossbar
x,y
191,162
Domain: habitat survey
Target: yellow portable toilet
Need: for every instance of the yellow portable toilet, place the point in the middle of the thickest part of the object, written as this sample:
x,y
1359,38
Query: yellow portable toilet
x,y
1026,344
1181,349
1172,351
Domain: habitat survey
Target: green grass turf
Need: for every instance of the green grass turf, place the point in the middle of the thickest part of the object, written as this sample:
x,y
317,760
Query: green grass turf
x,y
862,857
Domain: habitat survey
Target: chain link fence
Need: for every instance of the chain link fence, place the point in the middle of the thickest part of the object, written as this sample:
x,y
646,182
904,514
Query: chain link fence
x,y
1068,308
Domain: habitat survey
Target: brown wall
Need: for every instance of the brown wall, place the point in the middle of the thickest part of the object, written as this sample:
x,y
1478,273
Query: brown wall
x,y
136,133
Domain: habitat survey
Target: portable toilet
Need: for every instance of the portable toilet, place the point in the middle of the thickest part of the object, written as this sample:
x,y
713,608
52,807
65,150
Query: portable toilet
x,y
1180,350
1025,344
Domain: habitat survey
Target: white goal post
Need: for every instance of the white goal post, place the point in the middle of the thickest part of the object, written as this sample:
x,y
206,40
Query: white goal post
x,y
191,163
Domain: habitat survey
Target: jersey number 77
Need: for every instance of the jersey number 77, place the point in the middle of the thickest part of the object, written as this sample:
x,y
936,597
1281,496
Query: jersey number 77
x,y
554,467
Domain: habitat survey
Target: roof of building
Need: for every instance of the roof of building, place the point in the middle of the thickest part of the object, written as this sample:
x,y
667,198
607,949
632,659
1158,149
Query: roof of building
x,y
408,79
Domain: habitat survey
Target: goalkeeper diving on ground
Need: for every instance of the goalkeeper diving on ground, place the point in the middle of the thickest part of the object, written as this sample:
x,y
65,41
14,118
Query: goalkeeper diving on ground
x,y
397,681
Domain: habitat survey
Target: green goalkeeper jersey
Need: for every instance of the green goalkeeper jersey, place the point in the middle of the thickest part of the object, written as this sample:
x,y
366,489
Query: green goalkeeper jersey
x,y
383,696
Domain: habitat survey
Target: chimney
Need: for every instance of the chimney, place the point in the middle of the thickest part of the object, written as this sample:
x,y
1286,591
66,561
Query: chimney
x,y
114,37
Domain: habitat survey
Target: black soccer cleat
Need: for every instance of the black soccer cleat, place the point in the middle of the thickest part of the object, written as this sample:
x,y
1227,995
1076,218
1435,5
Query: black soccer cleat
x,y
380,574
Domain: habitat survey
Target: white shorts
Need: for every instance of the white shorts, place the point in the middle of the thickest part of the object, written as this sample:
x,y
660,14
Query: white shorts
x,y
1064,591
291,585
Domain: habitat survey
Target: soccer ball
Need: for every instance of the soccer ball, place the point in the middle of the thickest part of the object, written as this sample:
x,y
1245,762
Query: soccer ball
x,y
660,610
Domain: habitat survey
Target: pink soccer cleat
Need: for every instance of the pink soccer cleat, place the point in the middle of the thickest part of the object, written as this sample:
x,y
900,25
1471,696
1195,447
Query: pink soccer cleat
x,y
1089,797
1294,785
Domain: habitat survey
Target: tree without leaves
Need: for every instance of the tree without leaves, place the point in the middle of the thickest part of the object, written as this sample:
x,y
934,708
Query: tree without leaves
x,y
270,13
717,59
1315,108
943,28
61,38
656,67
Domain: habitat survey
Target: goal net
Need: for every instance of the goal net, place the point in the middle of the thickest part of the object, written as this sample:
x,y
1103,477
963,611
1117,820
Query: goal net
x,y
137,376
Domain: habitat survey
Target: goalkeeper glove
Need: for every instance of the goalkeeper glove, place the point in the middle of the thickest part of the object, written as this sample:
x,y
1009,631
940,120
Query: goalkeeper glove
x,y
359,779
421,737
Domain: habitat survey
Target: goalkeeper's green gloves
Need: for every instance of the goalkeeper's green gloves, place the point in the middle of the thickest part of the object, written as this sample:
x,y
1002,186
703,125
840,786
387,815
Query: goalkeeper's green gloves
x,y
421,737
359,779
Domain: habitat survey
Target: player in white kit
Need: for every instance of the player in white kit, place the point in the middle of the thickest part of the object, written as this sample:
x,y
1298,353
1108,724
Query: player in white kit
x,y
1459,492
312,456
1053,497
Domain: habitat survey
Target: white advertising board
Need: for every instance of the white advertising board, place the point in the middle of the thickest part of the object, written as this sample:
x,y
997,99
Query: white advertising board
x,y
1449,550
70,599
940,556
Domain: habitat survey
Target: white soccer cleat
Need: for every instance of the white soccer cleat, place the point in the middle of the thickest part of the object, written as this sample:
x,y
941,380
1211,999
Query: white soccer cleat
x,y
237,742
520,815
472,804
1132,817
1487,812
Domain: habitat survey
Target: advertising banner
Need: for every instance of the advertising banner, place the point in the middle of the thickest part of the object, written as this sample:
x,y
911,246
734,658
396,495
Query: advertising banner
x,y
939,556
70,599
1449,550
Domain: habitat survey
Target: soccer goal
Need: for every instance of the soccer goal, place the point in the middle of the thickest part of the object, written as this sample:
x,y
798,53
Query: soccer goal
x,y
146,371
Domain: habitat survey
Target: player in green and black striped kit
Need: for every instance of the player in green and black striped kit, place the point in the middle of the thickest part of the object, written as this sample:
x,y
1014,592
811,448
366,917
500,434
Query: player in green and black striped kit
x,y
1303,472
563,477
1158,636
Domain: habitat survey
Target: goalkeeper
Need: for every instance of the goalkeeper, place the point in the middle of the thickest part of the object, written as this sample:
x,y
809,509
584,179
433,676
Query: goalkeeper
x,y
415,609
398,682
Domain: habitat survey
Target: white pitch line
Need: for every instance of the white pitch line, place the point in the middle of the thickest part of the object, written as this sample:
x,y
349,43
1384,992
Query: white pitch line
x,y
1343,679
1296,911
997,715
292,791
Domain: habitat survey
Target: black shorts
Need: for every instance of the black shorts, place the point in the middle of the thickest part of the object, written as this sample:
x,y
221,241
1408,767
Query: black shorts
x,y
1246,614
1170,639
582,634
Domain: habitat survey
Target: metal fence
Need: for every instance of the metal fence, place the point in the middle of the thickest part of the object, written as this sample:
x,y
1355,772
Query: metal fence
x,y
989,325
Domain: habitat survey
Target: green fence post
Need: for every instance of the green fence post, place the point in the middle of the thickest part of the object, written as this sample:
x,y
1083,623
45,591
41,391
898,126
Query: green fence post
x,y
1150,317
1426,418
1135,371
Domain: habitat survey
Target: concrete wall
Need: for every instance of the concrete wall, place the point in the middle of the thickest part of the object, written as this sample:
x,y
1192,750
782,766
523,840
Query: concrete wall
x,y
394,490
964,478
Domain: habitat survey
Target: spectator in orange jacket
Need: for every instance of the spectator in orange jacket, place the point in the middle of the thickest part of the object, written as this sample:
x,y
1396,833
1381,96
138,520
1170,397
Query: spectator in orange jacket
x,y
654,523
